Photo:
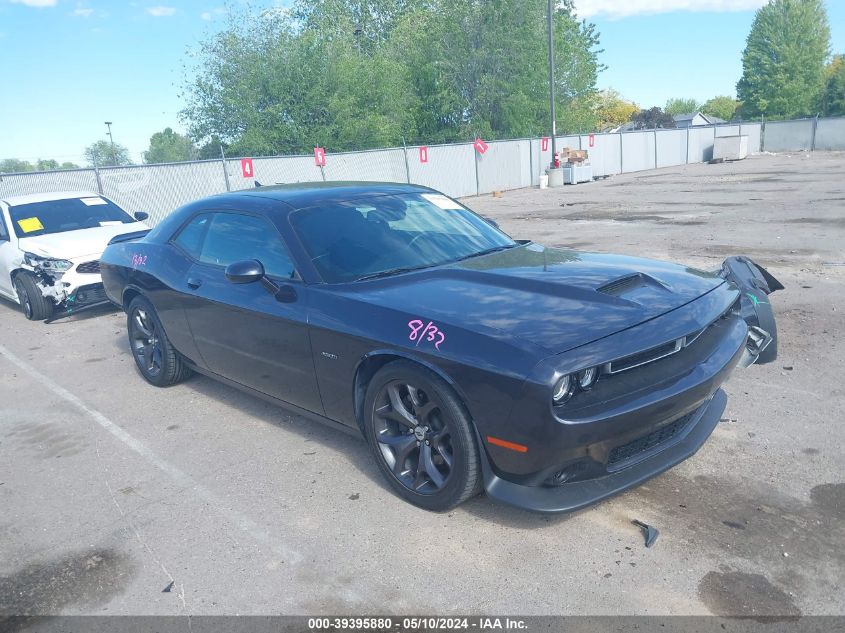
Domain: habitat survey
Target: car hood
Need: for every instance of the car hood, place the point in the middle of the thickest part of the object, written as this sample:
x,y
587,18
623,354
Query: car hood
x,y
79,243
556,299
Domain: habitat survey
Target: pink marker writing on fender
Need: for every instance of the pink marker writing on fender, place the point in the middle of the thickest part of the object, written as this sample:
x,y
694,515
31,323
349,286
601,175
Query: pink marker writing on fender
x,y
430,333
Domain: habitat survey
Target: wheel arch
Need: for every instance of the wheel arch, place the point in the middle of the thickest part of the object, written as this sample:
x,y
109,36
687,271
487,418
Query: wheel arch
x,y
12,276
129,293
373,361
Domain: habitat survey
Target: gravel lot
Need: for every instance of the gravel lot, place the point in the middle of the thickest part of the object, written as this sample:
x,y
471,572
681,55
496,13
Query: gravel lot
x,y
111,489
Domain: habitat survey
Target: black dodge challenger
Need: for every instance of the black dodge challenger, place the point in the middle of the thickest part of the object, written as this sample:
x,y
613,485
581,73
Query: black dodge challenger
x,y
552,378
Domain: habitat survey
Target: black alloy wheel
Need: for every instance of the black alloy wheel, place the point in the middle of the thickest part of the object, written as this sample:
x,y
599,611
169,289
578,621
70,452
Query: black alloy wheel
x,y
421,436
157,360
413,437
145,342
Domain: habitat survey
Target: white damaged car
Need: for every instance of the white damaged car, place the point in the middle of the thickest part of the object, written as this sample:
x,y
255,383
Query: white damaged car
x,y
50,248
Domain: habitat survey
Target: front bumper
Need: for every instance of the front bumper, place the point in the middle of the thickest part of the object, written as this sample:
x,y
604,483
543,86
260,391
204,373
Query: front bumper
x,y
579,494
630,426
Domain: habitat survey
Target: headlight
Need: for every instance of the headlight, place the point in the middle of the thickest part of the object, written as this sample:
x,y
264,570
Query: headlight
x,y
563,390
47,264
566,386
587,378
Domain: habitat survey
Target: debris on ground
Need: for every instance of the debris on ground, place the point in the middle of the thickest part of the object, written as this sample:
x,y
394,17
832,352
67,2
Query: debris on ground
x,y
168,587
650,532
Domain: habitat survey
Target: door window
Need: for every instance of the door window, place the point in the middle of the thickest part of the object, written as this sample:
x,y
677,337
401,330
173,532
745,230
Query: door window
x,y
224,238
190,238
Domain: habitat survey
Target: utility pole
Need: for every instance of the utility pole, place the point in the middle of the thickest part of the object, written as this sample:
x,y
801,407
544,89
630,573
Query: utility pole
x,y
552,78
113,155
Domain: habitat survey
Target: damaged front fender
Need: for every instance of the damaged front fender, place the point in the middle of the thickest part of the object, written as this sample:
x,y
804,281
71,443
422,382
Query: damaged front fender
x,y
755,284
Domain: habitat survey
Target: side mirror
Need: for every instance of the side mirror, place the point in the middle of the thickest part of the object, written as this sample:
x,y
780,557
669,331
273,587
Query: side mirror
x,y
141,215
245,272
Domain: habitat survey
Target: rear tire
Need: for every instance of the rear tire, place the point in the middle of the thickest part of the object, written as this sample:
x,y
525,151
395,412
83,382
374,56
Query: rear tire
x,y
421,437
157,360
34,305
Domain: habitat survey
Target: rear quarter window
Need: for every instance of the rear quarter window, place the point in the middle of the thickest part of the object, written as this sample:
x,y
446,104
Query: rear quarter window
x,y
191,236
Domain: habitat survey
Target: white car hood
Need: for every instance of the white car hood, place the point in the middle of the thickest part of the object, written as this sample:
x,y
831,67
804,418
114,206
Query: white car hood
x,y
79,243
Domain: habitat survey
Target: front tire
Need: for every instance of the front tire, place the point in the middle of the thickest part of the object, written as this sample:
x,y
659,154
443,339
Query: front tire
x,y
34,305
421,437
159,363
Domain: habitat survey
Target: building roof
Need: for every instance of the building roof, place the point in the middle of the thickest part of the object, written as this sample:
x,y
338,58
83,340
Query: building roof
x,y
691,115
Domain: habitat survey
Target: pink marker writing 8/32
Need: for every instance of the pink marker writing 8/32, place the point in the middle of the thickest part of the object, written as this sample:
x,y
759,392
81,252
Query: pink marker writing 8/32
x,y
431,333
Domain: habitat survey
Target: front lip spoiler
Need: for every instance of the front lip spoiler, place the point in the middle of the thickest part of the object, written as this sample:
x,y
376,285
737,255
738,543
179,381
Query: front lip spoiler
x,y
574,496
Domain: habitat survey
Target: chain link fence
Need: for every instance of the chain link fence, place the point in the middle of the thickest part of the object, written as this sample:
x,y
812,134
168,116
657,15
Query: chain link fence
x,y
456,169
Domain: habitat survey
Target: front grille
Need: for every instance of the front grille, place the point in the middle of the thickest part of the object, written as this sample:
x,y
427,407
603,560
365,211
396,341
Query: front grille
x,y
648,442
89,268
648,356
661,351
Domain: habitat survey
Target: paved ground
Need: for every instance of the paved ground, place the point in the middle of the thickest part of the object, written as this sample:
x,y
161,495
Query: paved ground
x,y
110,489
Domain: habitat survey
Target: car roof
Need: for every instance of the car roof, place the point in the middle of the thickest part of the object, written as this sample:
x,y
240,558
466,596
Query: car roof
x,y
13,201
307,194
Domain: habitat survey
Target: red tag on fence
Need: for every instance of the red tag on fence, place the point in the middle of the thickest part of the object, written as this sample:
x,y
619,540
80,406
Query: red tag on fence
x,y
246,168
544,144
480,146
423,154
319,157
592,139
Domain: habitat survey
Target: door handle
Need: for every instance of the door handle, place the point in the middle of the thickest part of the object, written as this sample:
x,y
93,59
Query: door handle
x,y
194,283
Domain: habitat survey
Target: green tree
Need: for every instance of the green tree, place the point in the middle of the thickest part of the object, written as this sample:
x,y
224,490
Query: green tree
x,y
784,59
68,165
674,107
833,98
612,110
651,119
722,107
104,154
355,74
169,147
14,165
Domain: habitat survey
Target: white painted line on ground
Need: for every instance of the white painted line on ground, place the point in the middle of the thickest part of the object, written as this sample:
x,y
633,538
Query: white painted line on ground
x,y
184,480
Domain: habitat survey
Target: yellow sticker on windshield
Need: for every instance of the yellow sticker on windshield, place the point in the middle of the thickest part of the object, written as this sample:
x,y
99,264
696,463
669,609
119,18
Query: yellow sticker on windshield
x,y
29,225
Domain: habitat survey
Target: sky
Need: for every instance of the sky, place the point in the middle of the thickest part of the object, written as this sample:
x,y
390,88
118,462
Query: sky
x,y
70,65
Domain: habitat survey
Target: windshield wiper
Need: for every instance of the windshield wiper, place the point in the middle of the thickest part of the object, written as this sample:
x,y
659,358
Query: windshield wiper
x,y
495,249
392,271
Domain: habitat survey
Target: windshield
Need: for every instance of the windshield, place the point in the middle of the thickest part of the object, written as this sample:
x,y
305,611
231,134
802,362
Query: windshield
x,y
71,214
386,234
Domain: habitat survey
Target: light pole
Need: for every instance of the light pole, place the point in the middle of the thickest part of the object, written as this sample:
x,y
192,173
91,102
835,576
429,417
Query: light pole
x,y
552,78
113,155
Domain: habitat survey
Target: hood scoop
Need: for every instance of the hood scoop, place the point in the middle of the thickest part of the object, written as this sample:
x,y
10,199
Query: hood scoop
x,y
630,283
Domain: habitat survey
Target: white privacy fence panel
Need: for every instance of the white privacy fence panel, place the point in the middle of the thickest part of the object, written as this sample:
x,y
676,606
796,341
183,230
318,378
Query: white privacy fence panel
x,y
727,130
830,134
671,147
376,166
450,169
48,181
455,169
605,154
752,130
700,146
638,151
159,189
279,170
789,136
504,166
